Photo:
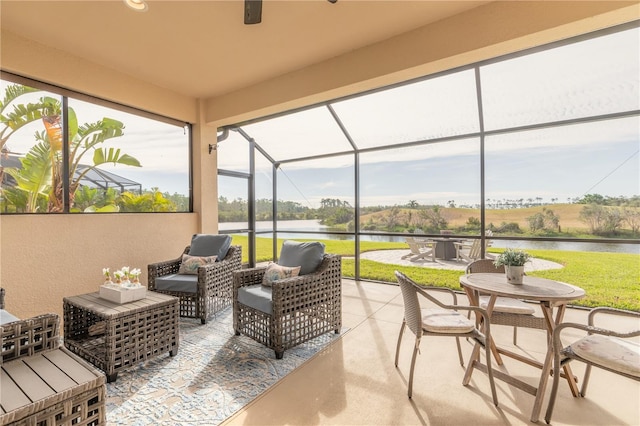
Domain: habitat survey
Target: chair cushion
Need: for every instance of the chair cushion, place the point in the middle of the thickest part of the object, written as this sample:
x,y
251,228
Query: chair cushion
x,y
508,305
611,352
257,297
6,317
210,245
307,255
276,272
446,321
178,282
190,264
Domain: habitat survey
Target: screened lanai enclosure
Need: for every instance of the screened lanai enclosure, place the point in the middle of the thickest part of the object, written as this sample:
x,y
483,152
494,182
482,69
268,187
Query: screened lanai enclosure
x,y
537,150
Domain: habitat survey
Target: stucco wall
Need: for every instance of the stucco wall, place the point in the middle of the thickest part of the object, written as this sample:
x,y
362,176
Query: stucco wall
x,y
44,258
30,59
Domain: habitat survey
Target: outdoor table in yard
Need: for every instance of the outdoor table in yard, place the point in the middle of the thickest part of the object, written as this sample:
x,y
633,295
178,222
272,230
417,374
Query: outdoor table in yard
x,y
115,336
552,295
445,249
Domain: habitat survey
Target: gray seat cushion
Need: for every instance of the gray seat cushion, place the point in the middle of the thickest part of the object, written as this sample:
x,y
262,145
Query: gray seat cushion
x,y
178,282
6,317
210,245
257,297
307,255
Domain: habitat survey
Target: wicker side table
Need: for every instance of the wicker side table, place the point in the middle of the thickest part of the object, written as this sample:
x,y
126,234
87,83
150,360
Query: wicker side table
x,y
115,336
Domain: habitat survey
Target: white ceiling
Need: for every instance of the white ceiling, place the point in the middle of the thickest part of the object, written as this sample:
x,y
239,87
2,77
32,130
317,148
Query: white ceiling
x,y
202,48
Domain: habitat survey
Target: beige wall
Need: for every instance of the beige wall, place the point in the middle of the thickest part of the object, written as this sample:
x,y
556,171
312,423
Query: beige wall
x,y
46,257
33,60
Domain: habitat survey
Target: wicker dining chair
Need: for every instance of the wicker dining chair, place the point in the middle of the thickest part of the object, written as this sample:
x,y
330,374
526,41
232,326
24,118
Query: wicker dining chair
x,y
201,294
610,350
506,311
292,310
445,320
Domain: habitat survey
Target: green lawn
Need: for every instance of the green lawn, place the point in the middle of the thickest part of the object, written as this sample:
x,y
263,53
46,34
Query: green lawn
x,y
609,279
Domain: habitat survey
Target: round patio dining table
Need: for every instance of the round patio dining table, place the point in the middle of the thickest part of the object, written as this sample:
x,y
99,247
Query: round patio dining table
x,y
552,295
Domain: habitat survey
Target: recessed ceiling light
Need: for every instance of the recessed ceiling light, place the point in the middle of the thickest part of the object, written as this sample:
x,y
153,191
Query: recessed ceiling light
x,y
137,5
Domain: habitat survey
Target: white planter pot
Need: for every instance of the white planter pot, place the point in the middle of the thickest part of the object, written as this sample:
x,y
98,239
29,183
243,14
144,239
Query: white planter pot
x,y
119,294
514,274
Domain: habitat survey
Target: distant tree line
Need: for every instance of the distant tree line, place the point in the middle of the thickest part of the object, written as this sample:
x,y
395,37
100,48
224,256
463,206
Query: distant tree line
x,y
604,215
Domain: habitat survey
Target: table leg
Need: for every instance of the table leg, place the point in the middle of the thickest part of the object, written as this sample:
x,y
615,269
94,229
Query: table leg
x,y
571,379
494,348
475,357
475,353
547,310
474,300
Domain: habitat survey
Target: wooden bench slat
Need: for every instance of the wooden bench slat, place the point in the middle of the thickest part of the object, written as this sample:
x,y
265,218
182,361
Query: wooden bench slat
x,y
31,384
76,371
12,397
49,372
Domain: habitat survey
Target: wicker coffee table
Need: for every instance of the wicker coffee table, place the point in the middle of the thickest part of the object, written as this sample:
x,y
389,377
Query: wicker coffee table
x,y
115,336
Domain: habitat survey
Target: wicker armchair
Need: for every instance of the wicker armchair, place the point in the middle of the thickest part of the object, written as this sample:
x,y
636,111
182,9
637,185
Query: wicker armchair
x,y
212,291
612,351
295,309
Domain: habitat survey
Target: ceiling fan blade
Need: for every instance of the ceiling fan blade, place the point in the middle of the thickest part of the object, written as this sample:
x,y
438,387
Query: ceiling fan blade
x,y
252,11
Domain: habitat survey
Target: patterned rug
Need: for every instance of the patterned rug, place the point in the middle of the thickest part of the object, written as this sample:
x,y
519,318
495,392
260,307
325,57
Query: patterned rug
x,y
214,374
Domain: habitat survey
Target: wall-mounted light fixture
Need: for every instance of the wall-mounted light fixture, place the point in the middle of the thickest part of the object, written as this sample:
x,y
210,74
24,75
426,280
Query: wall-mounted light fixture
x,y
222,135
137,5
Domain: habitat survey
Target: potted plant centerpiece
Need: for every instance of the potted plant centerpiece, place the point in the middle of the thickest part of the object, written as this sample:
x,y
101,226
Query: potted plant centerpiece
x,y
513,261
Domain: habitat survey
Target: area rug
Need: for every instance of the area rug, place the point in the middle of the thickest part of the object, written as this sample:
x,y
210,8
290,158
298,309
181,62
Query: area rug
x,y
214,374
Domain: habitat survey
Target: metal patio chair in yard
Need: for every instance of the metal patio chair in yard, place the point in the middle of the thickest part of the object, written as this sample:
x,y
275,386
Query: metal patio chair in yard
x,y
616,352
445,320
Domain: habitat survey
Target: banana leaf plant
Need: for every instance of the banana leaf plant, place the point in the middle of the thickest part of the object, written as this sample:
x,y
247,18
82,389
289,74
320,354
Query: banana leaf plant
x,y
15,116
42,171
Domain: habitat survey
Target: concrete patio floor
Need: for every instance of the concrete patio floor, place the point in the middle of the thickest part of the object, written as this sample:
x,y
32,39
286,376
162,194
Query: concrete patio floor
x,y
354,381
